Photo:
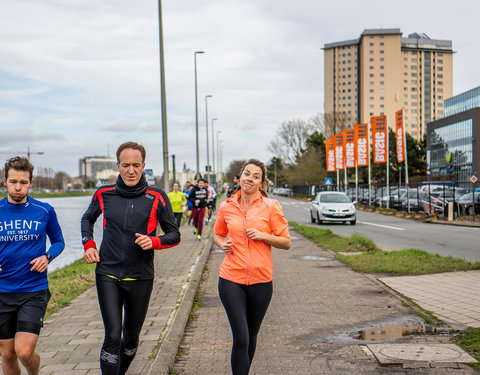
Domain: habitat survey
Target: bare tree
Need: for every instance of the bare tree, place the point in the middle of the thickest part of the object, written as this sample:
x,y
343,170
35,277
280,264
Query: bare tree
x,y
335,123
234,169
291,139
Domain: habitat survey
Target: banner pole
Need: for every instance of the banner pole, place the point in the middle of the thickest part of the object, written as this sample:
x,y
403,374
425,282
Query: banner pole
x,y
388,164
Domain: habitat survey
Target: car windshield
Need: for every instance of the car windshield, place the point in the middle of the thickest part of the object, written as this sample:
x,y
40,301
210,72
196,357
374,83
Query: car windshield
x,y
334,198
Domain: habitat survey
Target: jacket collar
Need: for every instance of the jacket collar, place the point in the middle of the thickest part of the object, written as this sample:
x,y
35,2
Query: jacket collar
x,y
236,197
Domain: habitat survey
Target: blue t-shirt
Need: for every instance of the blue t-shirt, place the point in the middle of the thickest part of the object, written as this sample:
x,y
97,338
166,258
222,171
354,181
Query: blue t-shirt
x,y
23,237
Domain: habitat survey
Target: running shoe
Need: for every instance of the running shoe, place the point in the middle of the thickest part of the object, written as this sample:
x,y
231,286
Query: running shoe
x,y
199,237
195,230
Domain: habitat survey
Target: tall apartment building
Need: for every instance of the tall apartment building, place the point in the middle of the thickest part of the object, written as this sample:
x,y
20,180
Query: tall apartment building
x,y
380,72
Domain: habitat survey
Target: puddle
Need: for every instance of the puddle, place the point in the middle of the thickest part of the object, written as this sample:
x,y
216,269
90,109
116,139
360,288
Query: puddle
x,y
393,331
378,331
311,257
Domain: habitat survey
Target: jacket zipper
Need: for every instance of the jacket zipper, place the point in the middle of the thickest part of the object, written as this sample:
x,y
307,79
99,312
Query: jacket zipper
x,y
247,242
129,203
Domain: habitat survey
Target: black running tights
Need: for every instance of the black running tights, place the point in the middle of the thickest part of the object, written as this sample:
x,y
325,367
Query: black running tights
x,y
245,306
121,339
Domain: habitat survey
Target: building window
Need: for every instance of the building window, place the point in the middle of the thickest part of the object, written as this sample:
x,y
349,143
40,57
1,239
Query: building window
x,y
439,54
405,81
413,74
371,52
440,97
413,82
371,83
371,44
382,75
382,67
381,36
414,96
439,75
382,98
413,67
440,69
382,52
382,106
440,91
371,75
405,66
371,67
413,89
405,59
381,43
371,98
382,90
371,106
440,83
372,59
413,59
439,61
382,82
371,113
371,90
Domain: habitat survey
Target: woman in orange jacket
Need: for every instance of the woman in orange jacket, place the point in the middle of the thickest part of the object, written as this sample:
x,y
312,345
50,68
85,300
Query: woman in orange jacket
x,y
248,224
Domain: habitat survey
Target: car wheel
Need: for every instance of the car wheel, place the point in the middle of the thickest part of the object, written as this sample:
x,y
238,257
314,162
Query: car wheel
x,y
318,219
312,219
353,222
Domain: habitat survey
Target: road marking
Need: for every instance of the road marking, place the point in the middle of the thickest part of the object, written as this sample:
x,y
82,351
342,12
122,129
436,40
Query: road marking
x,y
379,225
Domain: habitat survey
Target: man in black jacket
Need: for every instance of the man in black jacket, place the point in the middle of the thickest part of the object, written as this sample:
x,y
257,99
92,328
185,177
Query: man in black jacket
x,y
198,197
125,270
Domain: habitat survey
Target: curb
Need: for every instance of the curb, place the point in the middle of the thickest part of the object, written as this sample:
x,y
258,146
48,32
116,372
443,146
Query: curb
x,y
165,358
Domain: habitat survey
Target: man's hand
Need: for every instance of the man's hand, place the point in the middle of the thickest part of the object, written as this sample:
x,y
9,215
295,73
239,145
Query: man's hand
x,y
40,264
143,241
91,256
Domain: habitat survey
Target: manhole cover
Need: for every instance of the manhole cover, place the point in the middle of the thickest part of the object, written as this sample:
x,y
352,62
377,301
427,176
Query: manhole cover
x,y
399,353
311,257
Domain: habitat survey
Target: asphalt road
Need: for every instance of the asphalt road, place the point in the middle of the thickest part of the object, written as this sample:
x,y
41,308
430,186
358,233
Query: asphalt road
x,y
392,233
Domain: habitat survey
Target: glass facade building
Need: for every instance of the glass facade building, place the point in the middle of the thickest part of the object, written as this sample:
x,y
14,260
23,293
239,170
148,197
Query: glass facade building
x,y
453,144
462,102
451,150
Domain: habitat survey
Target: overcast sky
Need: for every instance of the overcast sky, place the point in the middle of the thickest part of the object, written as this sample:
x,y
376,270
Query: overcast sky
x,y
79,77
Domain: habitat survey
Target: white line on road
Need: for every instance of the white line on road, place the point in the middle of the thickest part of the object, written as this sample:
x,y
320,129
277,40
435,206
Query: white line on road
x,y
382,226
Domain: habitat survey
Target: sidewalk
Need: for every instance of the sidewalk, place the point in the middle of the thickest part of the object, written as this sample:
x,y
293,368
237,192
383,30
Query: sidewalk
x,y
321,321
71,339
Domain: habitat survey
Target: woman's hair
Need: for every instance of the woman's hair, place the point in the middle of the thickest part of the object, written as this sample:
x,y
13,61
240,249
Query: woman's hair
x,y
265,181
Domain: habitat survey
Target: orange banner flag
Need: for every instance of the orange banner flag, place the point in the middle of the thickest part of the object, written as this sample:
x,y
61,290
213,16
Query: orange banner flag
x,y
330,150
349,147
400,136
379,139
338,144
361,144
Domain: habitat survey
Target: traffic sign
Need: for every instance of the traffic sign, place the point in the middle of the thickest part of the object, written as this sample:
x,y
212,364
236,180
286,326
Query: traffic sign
x,y
328,181
473,179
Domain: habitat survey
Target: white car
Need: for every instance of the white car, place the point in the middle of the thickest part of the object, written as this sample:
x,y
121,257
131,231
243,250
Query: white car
x,y
333,206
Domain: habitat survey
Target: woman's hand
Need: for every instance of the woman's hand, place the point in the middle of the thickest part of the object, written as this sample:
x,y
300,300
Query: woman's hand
x,y
227,246
255,234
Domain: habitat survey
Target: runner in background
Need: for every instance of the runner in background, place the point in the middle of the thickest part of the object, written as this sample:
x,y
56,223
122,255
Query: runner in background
x,y
211,202
198,197
189,204
178,201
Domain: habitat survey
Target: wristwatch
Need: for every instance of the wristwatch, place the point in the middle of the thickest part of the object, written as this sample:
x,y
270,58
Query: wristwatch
x,y
49,257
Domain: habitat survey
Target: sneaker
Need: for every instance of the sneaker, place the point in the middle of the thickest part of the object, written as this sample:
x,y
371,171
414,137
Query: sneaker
x,y
195,230
199,237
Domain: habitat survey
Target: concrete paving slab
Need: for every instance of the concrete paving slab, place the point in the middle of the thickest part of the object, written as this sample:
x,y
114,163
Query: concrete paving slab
x,y
390,354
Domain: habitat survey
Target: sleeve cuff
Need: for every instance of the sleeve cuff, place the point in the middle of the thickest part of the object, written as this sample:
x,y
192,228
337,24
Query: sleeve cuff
x,y
156,243
89,244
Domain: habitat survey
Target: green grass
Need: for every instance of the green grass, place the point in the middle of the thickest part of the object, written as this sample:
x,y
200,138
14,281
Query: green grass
x,y
326,238
69,282
469,340
405,262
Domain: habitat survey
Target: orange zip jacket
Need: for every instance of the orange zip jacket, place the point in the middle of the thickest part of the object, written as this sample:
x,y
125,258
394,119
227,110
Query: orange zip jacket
x,y
250,261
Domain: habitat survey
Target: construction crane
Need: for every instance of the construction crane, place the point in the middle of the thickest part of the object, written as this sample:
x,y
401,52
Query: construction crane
x,y
28,152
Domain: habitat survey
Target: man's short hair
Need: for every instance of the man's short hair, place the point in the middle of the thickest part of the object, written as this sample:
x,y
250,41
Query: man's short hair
x,y
20,164
133,146
201,179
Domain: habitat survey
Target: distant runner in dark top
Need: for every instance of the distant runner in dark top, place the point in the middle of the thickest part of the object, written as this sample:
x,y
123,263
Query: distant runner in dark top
x,y
198,197
25,224
125,270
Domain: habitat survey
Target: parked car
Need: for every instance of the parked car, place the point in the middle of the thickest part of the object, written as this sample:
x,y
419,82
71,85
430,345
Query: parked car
x,y
467,202
333,206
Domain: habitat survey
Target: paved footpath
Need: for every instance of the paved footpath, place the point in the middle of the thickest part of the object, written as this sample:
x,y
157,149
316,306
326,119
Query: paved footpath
x,y
71,339
318,305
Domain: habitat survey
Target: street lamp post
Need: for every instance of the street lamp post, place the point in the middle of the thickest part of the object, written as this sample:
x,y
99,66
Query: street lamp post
x,y
213,145
218,152
164,101
208,146
196,114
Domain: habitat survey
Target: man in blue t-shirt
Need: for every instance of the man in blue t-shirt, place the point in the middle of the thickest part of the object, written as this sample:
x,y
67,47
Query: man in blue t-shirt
x,y
25,224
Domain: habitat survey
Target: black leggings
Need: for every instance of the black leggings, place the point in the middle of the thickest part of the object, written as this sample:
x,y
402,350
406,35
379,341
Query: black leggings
x,y
121,340
246,306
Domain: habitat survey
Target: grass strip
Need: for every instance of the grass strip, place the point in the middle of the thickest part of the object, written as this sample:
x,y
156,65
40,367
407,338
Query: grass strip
x,y
69,282
326,238
469,340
